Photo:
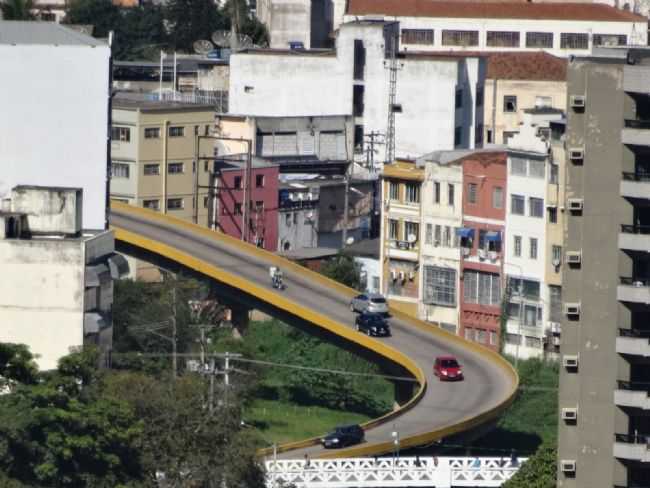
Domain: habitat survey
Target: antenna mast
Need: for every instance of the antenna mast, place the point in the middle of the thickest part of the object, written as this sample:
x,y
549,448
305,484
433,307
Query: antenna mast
x,y
392,88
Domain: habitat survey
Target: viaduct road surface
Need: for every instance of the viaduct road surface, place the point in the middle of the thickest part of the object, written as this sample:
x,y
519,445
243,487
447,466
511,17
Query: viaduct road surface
x,y
487,384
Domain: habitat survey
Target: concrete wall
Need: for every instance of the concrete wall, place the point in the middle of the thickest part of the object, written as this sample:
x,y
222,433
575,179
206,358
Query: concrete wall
x,y
297,228
286,20
63,144
371,269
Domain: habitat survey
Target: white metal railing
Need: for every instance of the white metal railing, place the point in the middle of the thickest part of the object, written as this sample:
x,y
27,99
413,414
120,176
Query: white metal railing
x,y
439,472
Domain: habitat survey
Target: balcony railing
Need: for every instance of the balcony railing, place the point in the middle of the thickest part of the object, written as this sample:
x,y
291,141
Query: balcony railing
x,y
634,386
632,438
629,176
635,333
629,281
635,229
637,124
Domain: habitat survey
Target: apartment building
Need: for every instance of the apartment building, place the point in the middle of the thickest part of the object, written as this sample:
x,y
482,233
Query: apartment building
x,y
441,219
563,28
57,291
604,428
519,81
400,232
441,113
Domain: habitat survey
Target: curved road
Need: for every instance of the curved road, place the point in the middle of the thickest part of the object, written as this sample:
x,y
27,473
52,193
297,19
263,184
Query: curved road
x,y
487,384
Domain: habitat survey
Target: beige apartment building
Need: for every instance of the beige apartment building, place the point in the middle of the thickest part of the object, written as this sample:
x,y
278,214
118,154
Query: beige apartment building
x,y
518,81
153,150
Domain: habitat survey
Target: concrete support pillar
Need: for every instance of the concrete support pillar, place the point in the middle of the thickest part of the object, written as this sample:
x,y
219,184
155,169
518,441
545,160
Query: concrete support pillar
x,y
240,318
404,390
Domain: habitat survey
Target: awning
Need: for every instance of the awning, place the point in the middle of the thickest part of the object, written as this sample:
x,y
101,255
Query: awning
x,y
118,265
465,232
493,236
93,323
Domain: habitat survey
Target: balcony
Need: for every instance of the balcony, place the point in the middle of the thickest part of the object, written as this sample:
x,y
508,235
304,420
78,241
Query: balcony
x,y
634,290
636,132
634,238
632,447
635,185
632,394
633,342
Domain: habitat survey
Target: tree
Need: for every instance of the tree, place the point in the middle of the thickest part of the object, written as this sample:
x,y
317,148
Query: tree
x,y
344,269
191,20
538,472
238,13
17,365
141,34
17,10
101,14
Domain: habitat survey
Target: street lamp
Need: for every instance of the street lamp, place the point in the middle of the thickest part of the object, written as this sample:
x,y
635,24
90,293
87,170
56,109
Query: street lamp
x,y
274,445
395,436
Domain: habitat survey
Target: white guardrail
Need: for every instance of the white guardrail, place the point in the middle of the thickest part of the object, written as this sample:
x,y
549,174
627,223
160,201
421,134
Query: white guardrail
x,y
439,472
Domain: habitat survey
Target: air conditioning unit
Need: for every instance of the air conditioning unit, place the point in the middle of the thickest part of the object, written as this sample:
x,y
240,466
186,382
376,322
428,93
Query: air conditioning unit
x,y
402,276
465,251
556,341
482,254
573,257
577,101
568,466
556,262
555,327
492,255
569,414
393,274
576,154
570,361
412,238
575,204
572,309
411,275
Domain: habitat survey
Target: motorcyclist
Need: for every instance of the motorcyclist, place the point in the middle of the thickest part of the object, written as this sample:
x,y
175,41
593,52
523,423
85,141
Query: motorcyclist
x,y
276,277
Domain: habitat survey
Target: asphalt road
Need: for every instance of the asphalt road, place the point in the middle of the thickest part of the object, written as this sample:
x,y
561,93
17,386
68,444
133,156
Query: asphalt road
x,y
443,404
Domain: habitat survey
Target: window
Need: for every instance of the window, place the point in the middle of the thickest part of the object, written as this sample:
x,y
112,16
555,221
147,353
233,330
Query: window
x,y
508,134
482,288
479,96
510,103
497,197
121,134
451,200
478,134
48,17
522,288
151,169
536,207
481,336
175,168
518,166
503,39
458,136
539,39
459,98
259,181
513,339
359,59
119,170
610,40
517,246
393,229
375,283
574,41
417,36
438,235
493,338
446,237
238,210
205,202
358,139
412,192
517,205
439,286
490,136
543,102
436,192
393,191
237,183
556,253
259,206
553,174
555,309
459,38
176,131
428,235
174,203
535,342
152,132
357,100
552,215
412,231
151,204
533,248
536,168
472,188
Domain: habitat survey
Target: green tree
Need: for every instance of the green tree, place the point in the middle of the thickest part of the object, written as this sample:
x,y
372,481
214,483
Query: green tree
x,y
238,12
344,269
141,34
17,10
101,14
538,472
191,20
17,365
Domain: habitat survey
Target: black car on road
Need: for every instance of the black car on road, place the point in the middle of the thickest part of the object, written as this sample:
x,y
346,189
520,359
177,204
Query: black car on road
x,y
373,324
343,436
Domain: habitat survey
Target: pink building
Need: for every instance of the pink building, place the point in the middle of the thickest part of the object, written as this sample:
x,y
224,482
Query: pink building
x,y
481,241
263,201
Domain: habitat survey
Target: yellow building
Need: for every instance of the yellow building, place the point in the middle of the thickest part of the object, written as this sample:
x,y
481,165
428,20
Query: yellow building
x,y
401,187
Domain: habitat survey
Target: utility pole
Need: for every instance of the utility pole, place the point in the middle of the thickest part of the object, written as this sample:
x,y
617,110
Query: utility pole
x,y
211,392
174,333
373,139
346,203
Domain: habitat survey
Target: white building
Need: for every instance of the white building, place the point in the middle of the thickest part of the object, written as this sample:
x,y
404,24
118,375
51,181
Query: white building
x,y
54,103
442,215
57,288
526,257
438,104
562,28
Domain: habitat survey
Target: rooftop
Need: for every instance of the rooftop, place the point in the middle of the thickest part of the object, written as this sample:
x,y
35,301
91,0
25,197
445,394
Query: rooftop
x,y
309,253
492,10
237,162
458,155
16,32
147,103
290,52
364,248
536,65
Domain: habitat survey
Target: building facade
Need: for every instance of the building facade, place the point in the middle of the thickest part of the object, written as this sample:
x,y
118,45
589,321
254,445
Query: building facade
x,y
604,430
58,291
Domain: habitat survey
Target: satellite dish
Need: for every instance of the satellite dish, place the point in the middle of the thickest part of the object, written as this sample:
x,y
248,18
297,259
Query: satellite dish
x,y
221,38
202,46
349,241
412,238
